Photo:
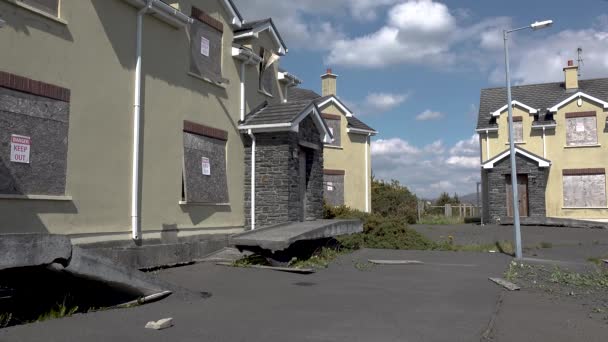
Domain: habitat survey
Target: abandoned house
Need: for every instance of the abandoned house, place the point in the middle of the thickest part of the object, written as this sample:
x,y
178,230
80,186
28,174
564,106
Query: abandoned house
x,y
561,138
148,121
347,163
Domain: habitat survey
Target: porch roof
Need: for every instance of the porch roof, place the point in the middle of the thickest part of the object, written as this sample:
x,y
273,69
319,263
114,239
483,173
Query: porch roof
x,y
542,162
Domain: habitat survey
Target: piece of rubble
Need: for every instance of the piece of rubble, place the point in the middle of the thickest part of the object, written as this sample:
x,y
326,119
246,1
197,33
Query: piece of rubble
x,y
272,268
506,284
160,324
396,262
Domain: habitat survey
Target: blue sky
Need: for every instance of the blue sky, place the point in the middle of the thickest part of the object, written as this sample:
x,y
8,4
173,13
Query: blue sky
x,y
413,69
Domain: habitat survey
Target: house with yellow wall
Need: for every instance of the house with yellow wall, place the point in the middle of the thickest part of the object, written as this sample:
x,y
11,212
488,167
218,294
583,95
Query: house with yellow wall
x,y
347,156
561,138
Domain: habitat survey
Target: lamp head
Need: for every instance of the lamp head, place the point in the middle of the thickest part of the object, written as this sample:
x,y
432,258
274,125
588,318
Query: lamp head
x,y
541,24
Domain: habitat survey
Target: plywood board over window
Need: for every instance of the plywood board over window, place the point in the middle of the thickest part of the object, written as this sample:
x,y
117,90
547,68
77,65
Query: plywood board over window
x,y
585,188
42,124
205,178
206,46
581,129
48,6
335,127
518,129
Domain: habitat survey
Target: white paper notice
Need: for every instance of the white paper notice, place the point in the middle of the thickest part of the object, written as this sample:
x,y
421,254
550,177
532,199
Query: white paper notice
x,y
206,167
204,46
330,186
20,149
580,127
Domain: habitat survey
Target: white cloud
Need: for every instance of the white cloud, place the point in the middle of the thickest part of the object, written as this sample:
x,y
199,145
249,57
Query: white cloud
x,y
428,115
384,101
430,169
310,24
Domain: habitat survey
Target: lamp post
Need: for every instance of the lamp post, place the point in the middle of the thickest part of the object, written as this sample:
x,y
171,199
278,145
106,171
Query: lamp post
x,y
516,224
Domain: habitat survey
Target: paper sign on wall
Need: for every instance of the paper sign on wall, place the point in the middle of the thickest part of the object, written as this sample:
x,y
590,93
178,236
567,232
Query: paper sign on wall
x,y
580,127
330,186
20,149
206,165
204,46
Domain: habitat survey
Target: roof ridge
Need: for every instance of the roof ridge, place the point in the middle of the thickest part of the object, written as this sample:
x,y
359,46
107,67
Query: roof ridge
x,y
544,83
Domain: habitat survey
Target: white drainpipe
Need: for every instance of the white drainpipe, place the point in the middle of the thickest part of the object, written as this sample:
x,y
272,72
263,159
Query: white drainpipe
x,y
243,69
252,179
487,144
135,221
367,209
544,144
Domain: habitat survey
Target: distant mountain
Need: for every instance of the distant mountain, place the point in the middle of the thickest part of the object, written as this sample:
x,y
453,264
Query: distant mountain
x,y
470,198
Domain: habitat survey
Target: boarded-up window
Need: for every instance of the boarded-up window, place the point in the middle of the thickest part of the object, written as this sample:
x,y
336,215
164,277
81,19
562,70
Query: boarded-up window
x,y
48,6
267,71
584,188
333,123
205,178
518,129
333,182
33,142
581,129
206,46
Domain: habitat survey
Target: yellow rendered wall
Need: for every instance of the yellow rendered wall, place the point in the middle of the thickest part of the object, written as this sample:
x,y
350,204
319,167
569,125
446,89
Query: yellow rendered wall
x,y
351,158
561,157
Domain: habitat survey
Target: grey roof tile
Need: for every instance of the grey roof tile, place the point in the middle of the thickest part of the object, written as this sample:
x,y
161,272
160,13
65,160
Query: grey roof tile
x,y
276,113
299,94
538,96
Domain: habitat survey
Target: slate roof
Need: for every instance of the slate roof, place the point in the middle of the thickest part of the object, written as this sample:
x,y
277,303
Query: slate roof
x,y
251,25
300,94
538,96
276,113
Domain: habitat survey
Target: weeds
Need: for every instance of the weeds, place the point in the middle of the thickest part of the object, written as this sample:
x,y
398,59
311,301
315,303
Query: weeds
x,y
320,259
598,260
59,311
251,260
440,220
5,320
597,279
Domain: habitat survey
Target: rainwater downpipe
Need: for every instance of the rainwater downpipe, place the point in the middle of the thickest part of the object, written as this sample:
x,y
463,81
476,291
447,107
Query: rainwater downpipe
x,y
367,180
135,220
487,144
243,64
544,144
252,179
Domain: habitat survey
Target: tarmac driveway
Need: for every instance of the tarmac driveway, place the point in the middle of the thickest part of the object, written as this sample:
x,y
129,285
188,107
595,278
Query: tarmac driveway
x,y
449,298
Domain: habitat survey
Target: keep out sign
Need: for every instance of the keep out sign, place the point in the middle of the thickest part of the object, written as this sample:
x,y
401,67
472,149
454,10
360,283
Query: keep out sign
x,y
20,149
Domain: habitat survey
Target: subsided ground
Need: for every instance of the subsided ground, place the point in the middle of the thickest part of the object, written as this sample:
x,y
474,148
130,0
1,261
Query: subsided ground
x,y
448,298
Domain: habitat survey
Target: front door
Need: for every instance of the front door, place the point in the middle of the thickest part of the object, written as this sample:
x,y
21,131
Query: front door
x,y
302,190
522,189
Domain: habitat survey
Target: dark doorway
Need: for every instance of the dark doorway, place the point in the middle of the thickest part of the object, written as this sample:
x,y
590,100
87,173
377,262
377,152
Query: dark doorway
x,y
522,189
304,169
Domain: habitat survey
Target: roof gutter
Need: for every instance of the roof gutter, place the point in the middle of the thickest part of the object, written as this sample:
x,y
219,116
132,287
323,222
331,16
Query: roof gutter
x,y
361,131
163,11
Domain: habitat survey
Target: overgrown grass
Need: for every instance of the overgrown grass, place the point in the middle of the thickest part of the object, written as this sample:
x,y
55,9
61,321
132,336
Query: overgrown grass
x,y
60,310
320,259
5,320
250,260
540,275
598,260
440,220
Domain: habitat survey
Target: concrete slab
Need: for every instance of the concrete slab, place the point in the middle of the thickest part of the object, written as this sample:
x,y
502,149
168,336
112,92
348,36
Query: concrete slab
x,y
23,250
280,237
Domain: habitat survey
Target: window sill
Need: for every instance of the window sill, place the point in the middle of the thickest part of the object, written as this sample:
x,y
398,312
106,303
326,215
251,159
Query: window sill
x,y
333,147
199,77
38,11
583,146
517,143
581,208
265,93
185,203
37,197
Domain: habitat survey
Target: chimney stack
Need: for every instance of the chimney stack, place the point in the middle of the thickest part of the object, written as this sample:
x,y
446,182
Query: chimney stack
x,y
328,83
571,76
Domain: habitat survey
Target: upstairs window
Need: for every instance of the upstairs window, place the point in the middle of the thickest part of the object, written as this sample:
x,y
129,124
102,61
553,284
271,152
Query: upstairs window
x,y
581,129
333,123
267,71
518,129
47,6
206,46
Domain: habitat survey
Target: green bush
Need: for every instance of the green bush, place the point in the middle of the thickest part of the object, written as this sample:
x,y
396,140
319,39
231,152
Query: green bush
x,y
382,232
391,199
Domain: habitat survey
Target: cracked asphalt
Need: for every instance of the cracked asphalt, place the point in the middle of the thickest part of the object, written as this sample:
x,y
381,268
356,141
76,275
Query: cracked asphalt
x,y
448,298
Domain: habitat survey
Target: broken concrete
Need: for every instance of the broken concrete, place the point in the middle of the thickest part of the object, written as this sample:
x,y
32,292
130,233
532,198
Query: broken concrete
x,y
25,250
281,237
56,253
556,222
161,324
396,262
506,284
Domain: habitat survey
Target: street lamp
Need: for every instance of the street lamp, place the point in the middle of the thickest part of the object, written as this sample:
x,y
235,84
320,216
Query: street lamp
x,y
534,26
